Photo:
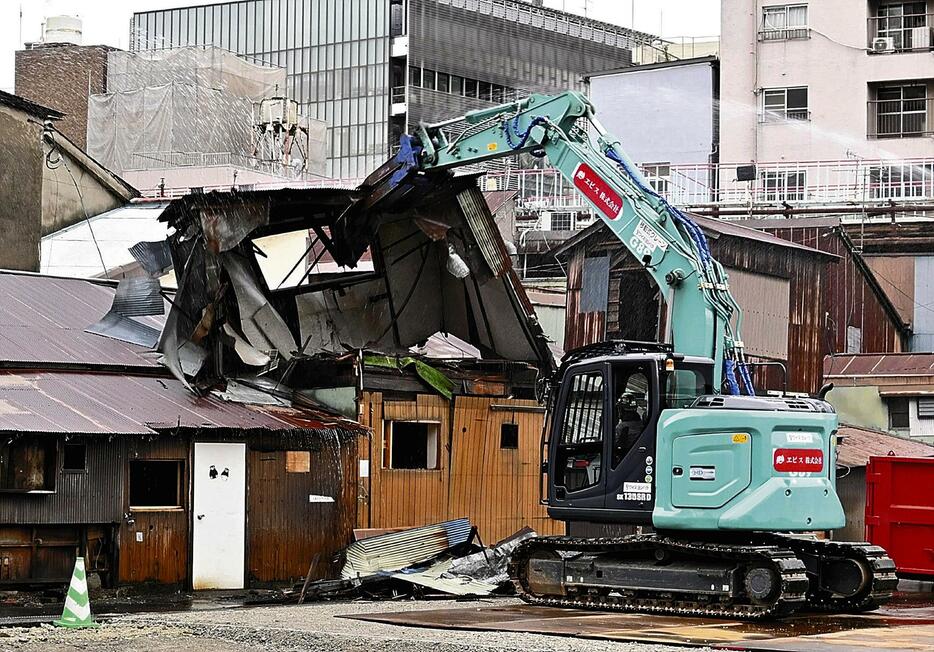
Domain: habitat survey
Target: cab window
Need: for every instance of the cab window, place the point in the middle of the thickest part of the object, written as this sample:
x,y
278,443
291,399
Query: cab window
x,y
580,451
685,384
631,407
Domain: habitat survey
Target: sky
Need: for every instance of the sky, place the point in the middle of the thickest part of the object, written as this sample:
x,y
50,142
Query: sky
x,y
107,22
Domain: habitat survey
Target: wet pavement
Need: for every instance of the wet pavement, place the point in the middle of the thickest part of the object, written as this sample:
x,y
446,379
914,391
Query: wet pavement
x,y
907,623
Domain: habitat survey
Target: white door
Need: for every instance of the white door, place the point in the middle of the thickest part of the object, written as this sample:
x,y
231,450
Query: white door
x,y
219,516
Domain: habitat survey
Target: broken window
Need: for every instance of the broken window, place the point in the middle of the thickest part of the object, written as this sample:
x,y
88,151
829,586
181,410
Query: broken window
x,y
156,484
509,435
297,461
411,445
27,464
74,457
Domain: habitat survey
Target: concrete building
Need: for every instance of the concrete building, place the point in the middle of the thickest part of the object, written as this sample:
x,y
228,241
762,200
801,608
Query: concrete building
x,y
61,76
374,68
46,182
889,392
831,81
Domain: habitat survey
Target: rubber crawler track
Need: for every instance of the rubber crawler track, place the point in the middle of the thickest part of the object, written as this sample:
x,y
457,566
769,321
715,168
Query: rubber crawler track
x,y
792,595
877,592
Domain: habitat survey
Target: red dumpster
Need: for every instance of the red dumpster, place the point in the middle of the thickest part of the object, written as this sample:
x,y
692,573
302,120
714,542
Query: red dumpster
x,y
900,511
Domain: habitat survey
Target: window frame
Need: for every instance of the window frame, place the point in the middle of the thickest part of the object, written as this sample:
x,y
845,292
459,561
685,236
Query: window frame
x,y
776,186
387,444
784,113
84,468
786,32
181,492
906,413
51,470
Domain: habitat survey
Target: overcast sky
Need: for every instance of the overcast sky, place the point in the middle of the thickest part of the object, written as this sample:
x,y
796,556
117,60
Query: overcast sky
x,y
107,22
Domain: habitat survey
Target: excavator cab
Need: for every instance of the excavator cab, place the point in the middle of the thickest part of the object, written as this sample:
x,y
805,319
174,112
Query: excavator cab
x,y
604,419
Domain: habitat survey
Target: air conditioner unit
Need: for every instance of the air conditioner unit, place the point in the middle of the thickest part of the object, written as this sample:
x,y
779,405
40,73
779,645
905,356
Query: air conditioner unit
x,y
883,44
920,38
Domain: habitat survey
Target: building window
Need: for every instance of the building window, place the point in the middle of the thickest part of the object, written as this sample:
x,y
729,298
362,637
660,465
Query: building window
x,y
27,464
156,484
899,112
658,175
297,461
901,181
470,88
509,435
411,445
925,407
74,457
905,24
779,104
898,413
784,22
780,185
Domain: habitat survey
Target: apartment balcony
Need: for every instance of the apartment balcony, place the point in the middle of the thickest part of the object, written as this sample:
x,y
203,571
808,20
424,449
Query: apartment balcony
x,y
891,34
902,112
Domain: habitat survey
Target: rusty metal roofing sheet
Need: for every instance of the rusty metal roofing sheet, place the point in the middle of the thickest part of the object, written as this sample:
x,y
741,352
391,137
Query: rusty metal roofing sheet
x,y
860,443
98,403
879,364
42,320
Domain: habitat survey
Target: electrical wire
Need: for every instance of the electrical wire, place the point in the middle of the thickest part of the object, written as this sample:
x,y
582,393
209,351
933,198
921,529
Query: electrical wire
x,y
51,164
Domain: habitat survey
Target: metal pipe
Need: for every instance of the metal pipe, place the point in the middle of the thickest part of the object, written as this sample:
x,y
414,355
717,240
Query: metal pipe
x,y
877,210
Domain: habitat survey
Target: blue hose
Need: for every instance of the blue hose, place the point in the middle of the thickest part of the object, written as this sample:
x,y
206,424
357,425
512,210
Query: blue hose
x,y
747,379
524,136
729,372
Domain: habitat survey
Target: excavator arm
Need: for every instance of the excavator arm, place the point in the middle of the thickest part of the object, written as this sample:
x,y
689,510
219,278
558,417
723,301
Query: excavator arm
x,y
704,319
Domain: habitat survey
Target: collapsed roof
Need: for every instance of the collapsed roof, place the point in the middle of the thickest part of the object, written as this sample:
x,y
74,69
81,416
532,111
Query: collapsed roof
x,y
439,264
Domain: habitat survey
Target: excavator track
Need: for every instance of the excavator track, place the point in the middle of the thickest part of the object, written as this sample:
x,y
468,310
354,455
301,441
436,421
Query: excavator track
x,y
788,572
877,569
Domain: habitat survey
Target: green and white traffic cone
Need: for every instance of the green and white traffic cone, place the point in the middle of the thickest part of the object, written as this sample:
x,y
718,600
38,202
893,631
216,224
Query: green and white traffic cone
x,y
77,612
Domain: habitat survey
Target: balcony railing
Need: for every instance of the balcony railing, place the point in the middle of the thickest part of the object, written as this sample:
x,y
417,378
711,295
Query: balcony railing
x,y
814,184
783,34
902,118
908,33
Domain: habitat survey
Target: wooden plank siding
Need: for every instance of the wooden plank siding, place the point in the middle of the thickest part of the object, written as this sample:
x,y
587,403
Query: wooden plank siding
x,y
154,543
285,529
497,489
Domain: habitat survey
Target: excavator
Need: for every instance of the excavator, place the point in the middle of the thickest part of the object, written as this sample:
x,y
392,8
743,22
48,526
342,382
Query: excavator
x,y
727,488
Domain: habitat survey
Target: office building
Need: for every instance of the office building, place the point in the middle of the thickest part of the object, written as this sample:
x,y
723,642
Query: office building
x,y
372,69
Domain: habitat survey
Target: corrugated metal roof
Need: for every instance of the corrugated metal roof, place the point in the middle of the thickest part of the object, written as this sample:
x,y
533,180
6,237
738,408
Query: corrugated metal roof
x,y
42,320
495,199
859,444
99,403
714,228
879,364
398,550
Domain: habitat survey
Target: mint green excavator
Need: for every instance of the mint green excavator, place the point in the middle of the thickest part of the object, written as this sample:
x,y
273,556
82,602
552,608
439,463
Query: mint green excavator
x,y
666,435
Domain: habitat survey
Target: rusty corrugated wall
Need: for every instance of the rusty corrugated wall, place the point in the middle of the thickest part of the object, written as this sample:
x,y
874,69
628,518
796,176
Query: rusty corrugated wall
x,y
630,311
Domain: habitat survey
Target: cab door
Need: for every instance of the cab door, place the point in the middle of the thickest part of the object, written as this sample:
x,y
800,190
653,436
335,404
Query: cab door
x,y
577,460
634,410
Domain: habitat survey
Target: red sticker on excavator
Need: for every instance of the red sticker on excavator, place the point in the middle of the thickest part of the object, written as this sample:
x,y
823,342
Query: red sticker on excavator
x,y
598,191
798,460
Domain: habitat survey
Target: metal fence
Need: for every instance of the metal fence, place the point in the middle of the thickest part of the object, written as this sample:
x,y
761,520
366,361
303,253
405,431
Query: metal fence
x,y
814,184
904,116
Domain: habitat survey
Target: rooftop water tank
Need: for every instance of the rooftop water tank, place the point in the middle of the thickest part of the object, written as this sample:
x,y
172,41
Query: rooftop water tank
x,y
62,29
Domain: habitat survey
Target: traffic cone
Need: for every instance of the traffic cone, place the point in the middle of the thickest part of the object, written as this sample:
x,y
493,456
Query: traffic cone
x,y
77,612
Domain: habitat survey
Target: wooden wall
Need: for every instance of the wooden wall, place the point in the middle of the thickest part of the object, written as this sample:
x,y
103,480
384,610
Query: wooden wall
x,y
285,529
162,554
497,489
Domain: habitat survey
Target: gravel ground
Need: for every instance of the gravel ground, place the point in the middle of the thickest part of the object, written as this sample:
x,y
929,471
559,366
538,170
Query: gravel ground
x,y
287,628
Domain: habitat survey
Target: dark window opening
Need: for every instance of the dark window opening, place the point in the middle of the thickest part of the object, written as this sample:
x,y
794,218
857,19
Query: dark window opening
x,y
156,483
898,412
631,407
27,464
509,435
411,445
74,457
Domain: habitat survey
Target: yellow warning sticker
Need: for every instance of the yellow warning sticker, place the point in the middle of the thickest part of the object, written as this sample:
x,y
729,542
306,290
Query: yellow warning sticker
x,y
740,438
492,147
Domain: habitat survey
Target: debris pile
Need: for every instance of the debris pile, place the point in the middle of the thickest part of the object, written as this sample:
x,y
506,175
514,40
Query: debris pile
x,y
435,559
